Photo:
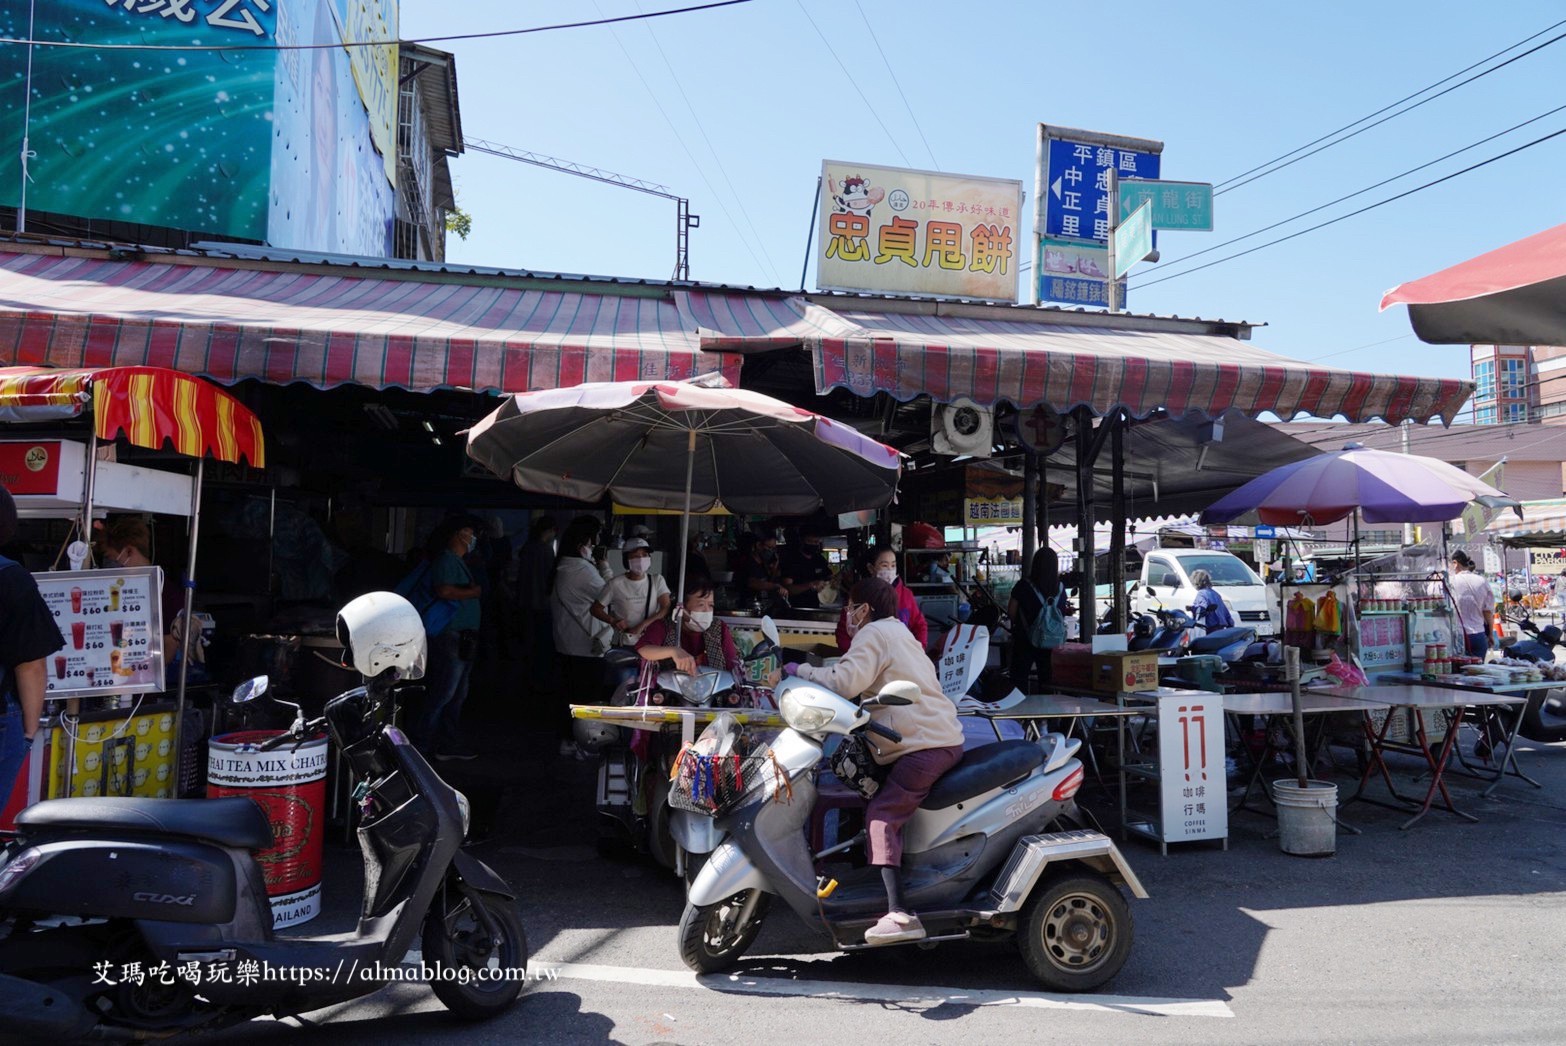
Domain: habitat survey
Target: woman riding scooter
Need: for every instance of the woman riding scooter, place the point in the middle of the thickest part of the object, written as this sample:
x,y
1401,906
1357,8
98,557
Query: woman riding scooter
x,y
884,651
1209,609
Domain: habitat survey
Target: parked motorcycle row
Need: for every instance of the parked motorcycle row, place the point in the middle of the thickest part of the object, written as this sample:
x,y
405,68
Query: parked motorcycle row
x,y
996,852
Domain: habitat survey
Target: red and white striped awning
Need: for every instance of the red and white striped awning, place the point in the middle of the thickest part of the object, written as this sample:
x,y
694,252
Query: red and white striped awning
x,y
1030,357
406,330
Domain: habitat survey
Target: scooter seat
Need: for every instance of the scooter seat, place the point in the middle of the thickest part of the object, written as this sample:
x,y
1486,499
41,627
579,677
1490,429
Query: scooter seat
x,y
982,769
1215,641
237,821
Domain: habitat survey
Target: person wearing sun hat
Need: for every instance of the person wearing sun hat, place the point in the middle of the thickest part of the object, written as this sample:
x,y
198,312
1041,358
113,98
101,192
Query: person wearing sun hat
x,y
635,599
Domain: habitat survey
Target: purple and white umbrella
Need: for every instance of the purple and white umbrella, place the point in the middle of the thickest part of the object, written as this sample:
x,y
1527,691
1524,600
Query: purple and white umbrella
x,y
677,445
1385,487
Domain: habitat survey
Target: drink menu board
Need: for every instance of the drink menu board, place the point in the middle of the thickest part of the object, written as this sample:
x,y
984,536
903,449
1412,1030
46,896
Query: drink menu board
x,y
112,621
1383,642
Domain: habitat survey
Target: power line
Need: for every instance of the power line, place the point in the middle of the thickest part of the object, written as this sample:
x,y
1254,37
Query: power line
x,y
897,84
833,51
1368,345
376,43
760,267
738,199
1353,214
1227,182
1360,192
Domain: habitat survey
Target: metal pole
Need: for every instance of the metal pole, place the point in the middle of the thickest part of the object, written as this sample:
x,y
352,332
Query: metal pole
x,y
1030,507
1291,662
685,523
1408,528
1117,540
810,237
1114,223
190,621
1039,189
89,491
27,118
1086,568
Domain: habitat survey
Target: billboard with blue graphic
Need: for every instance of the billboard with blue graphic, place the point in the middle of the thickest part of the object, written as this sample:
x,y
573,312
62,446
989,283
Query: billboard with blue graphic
x,y
267,145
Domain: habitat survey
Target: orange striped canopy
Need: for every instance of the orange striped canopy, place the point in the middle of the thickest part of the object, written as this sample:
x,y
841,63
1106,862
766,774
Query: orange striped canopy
x,y
149,406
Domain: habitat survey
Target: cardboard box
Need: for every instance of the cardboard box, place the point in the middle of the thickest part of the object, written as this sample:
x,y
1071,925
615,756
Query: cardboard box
x,y
1122,672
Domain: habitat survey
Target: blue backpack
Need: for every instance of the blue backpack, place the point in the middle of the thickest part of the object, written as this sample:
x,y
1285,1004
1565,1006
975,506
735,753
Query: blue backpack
x,y
418,588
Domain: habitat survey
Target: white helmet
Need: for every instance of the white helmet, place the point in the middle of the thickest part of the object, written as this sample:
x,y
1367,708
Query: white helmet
x,y
381,630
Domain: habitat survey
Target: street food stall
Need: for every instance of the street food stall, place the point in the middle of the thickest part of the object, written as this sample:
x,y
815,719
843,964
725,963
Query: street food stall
x,y
114,724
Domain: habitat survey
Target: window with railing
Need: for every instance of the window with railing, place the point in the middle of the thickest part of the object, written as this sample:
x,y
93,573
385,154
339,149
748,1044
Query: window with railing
x,y
1484,416
1516,412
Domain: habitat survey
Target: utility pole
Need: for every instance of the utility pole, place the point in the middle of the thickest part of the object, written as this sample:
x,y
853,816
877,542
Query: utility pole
x,y
685,221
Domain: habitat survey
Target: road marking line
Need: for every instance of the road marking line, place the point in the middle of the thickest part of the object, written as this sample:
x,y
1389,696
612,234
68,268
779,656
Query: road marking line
x,y
846,990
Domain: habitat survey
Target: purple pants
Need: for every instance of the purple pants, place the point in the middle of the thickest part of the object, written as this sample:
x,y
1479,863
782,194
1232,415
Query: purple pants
x,y
905,787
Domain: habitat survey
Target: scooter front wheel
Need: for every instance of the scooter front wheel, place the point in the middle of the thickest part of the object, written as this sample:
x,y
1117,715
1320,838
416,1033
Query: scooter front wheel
x,y
714,936
1076,933
476,976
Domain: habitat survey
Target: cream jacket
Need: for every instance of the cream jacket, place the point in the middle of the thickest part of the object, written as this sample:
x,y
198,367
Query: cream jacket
x,y
885,651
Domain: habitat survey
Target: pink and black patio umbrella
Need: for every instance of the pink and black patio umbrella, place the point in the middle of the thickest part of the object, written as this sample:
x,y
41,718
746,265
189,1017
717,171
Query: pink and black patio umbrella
x,y
1514,295
683,446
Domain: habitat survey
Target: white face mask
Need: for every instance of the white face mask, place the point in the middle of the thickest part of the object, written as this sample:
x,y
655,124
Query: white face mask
x,y
586,551
699,620
887,574
639,565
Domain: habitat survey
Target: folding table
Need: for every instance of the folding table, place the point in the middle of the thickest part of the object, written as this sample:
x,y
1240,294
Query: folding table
x,y
1276,706
1508,732
1417,699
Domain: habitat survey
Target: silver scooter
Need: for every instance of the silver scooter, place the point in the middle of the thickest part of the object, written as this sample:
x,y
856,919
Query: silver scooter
x,y
980,861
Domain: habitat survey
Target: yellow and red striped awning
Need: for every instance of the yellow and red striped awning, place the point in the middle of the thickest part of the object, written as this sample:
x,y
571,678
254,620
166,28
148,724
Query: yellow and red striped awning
x,y
149,406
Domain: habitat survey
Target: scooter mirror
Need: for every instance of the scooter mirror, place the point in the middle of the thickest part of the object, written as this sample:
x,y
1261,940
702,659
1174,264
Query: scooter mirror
x,y
900,692
769,629
250,689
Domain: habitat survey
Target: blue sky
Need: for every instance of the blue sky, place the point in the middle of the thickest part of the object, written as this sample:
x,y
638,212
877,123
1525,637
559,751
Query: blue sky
x,y
736,108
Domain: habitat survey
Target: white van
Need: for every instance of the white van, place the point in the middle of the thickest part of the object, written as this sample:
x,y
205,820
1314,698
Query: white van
x,y
1166,582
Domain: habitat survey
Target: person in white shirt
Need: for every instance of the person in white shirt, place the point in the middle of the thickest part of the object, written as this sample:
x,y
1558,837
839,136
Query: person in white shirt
x,y
635,599
580,638
1475,604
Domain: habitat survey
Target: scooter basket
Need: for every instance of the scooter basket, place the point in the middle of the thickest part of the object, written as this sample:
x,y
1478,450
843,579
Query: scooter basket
x,y
716,784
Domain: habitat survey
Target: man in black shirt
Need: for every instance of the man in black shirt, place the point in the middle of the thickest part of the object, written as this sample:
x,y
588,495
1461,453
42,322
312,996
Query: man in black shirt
x,y
807,570
28,635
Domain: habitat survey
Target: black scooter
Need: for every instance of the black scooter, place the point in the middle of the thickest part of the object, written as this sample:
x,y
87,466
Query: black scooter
x,y
92,886
1545,717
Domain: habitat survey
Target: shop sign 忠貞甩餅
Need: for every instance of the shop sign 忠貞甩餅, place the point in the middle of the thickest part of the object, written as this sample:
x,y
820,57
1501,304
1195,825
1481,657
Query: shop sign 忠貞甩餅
x,y
890,230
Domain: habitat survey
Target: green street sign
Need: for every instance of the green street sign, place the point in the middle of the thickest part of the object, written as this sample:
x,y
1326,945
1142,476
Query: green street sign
x,y
1133,239
1176,205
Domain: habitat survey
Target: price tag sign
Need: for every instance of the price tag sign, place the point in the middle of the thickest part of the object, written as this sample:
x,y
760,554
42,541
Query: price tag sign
x,y
112,621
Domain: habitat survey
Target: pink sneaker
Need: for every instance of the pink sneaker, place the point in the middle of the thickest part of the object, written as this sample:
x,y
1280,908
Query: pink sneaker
x,y
895,928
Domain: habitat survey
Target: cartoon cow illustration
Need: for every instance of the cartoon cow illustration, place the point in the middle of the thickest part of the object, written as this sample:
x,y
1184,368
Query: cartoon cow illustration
x,y
856,196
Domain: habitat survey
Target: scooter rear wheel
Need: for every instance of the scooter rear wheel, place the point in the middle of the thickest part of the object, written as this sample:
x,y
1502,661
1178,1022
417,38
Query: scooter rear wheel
x,y
455,940
1076,933
713,939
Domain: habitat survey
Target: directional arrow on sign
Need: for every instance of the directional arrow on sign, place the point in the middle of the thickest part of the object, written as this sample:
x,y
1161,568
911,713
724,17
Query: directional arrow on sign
x,y
1055,188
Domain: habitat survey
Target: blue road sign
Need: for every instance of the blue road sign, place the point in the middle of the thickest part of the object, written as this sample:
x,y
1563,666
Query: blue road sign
x,y
1264,531
1076,194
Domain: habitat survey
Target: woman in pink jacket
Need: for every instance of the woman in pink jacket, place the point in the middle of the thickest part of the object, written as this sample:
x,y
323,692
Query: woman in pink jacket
x,y
884,566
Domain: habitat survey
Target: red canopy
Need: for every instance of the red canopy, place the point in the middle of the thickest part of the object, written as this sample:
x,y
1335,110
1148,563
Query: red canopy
x,y
1513,295
147,405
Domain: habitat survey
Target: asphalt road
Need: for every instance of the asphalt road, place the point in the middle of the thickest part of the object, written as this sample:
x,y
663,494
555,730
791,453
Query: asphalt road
x,y
1448,932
